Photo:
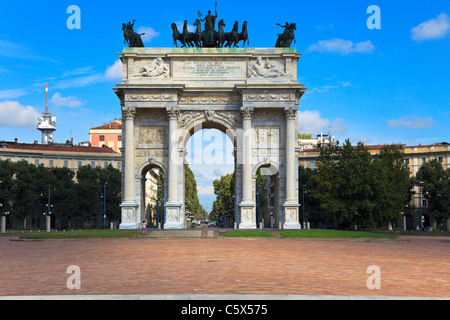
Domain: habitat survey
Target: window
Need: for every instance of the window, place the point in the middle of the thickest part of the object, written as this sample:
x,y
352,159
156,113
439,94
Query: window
x,y
105,164
424,160
441,159
36,162
66,163
80,164
312,164
102,138
119,138
407,161
50,163
93,164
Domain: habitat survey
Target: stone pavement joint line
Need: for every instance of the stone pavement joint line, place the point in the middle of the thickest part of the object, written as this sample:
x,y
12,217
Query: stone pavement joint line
x,y
147,269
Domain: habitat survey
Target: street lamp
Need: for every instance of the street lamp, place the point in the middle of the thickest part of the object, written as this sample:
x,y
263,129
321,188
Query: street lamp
x,y
104,205
258,190
303,204
48,213
420,205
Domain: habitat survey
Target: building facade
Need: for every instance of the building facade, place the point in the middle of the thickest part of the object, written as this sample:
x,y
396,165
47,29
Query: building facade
x,y
109,135
56,156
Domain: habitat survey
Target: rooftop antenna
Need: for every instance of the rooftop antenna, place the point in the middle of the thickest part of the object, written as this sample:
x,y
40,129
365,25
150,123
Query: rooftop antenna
x,y
47,124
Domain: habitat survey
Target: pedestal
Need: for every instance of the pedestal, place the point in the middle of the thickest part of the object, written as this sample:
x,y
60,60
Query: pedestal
x,y
248,215
291,217
129,210
173,216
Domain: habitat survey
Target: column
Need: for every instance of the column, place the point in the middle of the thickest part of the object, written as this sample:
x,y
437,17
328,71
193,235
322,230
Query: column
x,y
291,205
129,204
247,205
173,205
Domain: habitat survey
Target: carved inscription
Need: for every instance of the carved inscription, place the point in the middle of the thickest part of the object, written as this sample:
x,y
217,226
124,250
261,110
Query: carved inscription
x,y
209,69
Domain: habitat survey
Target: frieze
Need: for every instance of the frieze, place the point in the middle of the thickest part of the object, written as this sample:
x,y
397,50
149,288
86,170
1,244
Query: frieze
x,y
210,99
157,97
152,153
268,97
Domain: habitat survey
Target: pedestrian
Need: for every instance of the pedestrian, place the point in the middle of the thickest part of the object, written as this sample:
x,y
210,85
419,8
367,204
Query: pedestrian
x,y
144,227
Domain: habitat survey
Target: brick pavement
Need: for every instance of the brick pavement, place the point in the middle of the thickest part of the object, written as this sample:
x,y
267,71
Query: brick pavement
x,y
414,268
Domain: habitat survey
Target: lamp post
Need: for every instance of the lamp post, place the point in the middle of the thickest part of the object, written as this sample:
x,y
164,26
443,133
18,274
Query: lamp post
x,y
258,190
3,219
303,204
104,205
48,213
420,205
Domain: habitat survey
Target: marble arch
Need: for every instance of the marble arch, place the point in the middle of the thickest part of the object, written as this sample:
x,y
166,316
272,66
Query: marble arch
x,y
210,88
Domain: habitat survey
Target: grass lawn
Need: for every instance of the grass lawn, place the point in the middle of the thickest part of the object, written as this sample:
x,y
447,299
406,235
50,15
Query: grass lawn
x,y
84,234
248,233
333,234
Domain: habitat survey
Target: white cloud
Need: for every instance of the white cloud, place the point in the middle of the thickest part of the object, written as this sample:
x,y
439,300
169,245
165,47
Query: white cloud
x,y
13,114
12,94
149,35
205,190
114,72
338,126
79,82
341,46
60,101
432,29
411,122
218,173
78,71
312,122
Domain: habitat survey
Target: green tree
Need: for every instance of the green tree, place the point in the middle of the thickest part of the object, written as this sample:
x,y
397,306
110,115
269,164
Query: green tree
x,y
223,207
392,183
6,185
63,197
24,189
436,188
88,190
193,205
343,182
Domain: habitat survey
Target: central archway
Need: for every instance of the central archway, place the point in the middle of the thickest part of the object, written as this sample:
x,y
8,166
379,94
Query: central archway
x,y
209,144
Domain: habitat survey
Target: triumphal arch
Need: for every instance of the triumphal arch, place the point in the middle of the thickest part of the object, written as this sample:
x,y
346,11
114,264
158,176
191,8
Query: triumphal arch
x,y
250,94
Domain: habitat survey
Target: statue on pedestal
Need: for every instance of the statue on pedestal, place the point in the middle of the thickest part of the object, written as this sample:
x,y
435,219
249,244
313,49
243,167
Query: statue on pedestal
x,y
132,38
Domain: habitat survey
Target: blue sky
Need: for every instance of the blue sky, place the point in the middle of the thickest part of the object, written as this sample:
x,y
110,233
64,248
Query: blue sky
x,y
377,86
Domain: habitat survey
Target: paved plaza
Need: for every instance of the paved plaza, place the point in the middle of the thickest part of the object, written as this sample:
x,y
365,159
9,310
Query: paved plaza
x,y
410,267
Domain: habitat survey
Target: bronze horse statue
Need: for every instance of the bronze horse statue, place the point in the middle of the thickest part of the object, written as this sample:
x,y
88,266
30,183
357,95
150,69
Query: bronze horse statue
x,y
220,36
243,36
287,37
232,37
177,36
132,38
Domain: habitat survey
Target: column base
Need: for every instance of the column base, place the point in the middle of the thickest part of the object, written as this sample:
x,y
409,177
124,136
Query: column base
x,y
129,216
248,215
173,217
291,217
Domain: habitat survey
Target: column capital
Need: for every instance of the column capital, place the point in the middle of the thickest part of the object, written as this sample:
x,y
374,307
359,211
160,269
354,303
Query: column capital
x,y
290,113
129,112
173,113
247,113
